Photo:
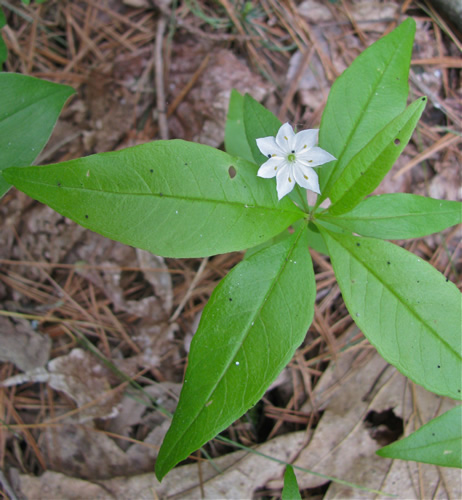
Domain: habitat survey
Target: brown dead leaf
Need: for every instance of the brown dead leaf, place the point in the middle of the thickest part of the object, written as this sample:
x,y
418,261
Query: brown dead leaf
x,y
344,444
314,11
22,345
81,377
108,106
84,379
53,485
46,236
82,451
201,116
241,475
98,251
374,15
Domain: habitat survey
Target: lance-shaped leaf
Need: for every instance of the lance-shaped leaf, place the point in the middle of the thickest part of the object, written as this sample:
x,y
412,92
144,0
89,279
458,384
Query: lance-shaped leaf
x,y
398,216
366,169
255,319
29,108
367,96
290,490
235,139
438,442
407,309
173,198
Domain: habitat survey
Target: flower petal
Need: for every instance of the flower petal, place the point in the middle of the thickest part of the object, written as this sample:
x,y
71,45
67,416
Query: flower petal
x,y
270,168
285,181
315,157
268,146
285,138
307,178
305,140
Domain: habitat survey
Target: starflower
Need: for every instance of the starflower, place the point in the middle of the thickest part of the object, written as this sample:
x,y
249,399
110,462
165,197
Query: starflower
x,y
292,158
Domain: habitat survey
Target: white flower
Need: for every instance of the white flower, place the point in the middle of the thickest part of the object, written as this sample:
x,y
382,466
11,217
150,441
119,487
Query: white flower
x,y
292,158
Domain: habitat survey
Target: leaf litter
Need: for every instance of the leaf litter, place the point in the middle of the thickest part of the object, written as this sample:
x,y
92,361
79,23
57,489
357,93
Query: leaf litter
x,y
92,350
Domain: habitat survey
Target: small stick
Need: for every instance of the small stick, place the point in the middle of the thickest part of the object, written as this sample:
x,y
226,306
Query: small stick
x,y
190,290
444,142
159,76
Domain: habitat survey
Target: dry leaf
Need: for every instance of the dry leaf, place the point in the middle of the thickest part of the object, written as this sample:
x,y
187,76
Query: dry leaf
x,y
374,15
314,12
81,451
201,116
22,345
242,474
84,452
111,258
344,444
82,378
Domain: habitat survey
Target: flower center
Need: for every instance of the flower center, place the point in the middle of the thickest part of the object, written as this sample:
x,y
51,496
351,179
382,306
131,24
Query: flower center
x,y
291,157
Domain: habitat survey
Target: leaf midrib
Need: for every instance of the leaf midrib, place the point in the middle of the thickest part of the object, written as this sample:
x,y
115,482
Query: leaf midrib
x,y
176,197
388,217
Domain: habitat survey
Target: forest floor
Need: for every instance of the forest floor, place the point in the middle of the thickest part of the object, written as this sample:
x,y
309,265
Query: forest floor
x,y
81,315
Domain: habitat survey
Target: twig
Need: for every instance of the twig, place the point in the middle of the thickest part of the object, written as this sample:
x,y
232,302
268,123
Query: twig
x,y
435,99
190,290
306,58
159,76
49,152
444,142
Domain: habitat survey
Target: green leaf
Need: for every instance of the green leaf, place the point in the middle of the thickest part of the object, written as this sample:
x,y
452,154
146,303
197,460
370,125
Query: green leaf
x,y
367,96
255,319
407,309
235,139
398,216
367,168
29,108
173,198
258,122
290,490
438,442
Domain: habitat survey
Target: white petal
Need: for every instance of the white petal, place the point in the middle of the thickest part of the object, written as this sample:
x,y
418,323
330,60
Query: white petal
x,y
285,138
307,178
315,157
285,181
268,146
270,168
305,140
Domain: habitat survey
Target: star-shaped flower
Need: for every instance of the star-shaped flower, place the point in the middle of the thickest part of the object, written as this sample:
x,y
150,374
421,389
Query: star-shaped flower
x,y
292,157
